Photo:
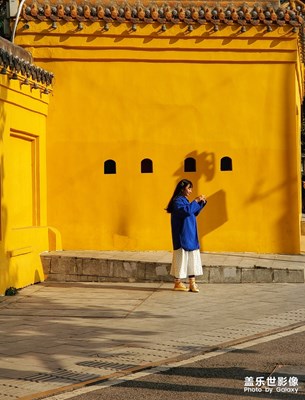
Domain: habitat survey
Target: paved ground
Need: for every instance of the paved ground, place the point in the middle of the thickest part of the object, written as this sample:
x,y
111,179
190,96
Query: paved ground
x,y
55,337
272,367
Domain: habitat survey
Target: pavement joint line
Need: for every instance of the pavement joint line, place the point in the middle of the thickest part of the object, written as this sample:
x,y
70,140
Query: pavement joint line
x,y
170,362
152,292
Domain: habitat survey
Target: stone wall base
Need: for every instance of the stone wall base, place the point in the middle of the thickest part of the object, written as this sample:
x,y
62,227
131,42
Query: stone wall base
x,y
80,269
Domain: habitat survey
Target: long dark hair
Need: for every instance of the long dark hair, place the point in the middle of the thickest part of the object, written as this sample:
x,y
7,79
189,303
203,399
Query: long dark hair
x,y
178,192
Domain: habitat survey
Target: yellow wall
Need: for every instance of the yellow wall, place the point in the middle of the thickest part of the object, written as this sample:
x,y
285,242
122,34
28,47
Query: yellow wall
x,y
166,96
24,233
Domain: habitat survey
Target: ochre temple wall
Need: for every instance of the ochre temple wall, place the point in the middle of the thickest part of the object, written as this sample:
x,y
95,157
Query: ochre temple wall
x,y
129,93
23,232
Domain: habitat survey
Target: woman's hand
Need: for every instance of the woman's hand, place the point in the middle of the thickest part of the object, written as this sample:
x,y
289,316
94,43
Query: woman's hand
x,y
201,197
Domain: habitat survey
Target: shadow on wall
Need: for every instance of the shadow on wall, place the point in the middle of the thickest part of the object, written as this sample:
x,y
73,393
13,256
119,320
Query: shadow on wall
x,y
37,277
204,166
215,213
5,279
288,217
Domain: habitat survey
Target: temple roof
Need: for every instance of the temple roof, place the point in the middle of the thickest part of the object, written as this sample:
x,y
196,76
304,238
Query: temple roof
x,y
270,14
17,63
189,12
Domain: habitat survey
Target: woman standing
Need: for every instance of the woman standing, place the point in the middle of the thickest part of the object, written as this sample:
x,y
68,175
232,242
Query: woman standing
x,y
186,255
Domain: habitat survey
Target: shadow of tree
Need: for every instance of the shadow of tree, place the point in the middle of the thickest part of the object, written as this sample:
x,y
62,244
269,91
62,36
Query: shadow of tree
x,y
41,330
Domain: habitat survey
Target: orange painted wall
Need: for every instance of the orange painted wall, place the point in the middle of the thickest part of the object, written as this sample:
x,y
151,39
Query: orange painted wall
x,y
129,96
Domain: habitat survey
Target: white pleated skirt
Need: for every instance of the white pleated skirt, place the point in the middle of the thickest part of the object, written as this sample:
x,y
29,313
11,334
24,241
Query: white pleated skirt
x,y
186,263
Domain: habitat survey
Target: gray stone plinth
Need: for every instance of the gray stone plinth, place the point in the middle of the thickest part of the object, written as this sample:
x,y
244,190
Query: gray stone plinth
x,y
94,266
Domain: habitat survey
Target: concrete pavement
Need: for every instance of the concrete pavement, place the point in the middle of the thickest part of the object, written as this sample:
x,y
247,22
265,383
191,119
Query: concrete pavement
x,y
60,336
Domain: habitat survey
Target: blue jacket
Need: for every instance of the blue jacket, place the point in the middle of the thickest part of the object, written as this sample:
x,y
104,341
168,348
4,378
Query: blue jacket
x,y
184,224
